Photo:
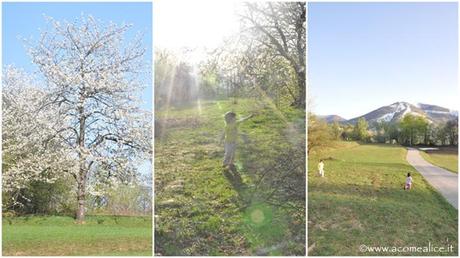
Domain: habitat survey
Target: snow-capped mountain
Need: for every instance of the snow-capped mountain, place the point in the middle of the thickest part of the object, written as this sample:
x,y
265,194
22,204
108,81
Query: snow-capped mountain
x,y
396,111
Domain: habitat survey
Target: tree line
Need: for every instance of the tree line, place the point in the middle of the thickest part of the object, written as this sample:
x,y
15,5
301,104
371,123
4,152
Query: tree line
x,y
265,59
411,130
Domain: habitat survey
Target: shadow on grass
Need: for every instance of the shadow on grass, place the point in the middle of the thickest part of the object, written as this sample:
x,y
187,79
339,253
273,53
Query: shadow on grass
x,y
234,178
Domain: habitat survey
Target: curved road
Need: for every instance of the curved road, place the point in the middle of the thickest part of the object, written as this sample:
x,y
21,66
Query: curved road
x,y
442,180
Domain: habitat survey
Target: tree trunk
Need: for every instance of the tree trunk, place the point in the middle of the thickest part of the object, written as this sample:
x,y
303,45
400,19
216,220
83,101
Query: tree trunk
x,y
300,101
81,178
80,216
301,66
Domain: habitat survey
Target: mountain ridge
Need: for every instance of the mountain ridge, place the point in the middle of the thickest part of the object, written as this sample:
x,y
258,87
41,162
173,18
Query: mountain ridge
x,y
393,113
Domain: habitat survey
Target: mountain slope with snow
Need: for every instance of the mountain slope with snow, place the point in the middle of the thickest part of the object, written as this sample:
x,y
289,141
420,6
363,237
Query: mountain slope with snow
x,y
395,112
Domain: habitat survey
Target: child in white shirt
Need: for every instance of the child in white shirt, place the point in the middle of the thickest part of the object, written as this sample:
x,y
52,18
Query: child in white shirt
x,y
321,168
408,184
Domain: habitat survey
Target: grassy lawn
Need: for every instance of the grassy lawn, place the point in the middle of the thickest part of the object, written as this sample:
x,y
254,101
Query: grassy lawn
x,y
202,210
446,160
55,235
361,201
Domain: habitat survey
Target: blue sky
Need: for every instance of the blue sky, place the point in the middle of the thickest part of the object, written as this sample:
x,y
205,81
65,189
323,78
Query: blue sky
x,y
365,55
25,19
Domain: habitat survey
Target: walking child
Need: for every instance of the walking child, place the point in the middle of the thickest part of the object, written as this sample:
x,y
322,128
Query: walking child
x,y
230,136
408,184
321,168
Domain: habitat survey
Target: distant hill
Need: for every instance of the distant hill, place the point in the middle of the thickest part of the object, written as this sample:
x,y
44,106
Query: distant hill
x,y
395,112
333,118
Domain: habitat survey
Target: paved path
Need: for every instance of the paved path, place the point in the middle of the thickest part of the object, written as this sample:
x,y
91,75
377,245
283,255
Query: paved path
x,y
442,180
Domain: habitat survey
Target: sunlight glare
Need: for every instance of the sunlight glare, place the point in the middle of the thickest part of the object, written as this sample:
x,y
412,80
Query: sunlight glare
x,y
190,25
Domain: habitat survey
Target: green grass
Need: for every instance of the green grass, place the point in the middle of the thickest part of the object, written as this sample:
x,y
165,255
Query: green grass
x,y
361,201
57,235
202,210
447,161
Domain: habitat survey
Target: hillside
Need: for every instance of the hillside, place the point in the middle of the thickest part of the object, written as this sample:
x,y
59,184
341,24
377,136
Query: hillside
x,y
333,118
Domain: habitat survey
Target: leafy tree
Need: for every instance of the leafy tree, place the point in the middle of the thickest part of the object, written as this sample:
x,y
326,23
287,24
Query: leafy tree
x,y
319,135
281,27
382,131
441,135
243,68
451,129
133,198
336,130
360,130
48,198
209,84
413,128
393,132
348,132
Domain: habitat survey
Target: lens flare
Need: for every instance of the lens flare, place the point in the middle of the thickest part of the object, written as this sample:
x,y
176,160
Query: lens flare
x,y
259,215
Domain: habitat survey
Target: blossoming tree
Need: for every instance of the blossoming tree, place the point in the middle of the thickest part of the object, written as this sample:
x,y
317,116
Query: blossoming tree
x,y
91,124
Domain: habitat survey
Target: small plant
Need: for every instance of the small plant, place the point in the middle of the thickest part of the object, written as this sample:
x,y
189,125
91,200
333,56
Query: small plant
x,y
100,221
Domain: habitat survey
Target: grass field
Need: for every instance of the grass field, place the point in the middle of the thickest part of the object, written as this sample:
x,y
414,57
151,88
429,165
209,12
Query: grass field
x,y
55,235
445,159
202,210
361,201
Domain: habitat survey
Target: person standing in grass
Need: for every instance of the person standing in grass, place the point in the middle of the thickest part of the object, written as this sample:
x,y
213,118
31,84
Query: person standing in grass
x,y
230,136
321,168
408,184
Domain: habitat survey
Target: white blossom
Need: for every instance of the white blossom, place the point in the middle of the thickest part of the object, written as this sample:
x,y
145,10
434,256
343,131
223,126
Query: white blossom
x,y
83,120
